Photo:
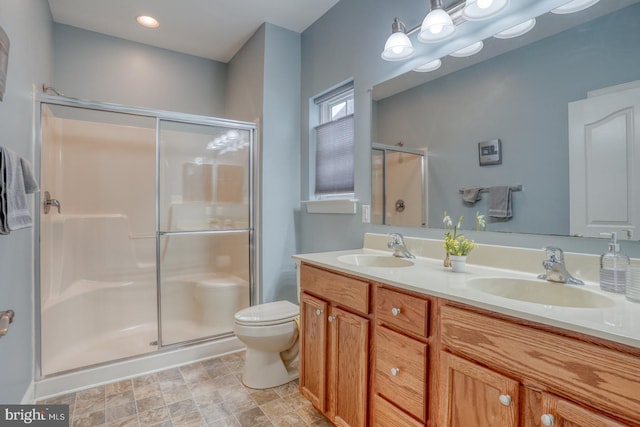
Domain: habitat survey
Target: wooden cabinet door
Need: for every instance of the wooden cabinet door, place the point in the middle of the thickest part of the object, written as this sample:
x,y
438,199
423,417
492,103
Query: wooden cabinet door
x,y
475,396
313,350
348,372
558,412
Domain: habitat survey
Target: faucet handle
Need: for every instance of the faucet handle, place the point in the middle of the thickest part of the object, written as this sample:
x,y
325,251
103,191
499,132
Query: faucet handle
x,y
554,253
396,239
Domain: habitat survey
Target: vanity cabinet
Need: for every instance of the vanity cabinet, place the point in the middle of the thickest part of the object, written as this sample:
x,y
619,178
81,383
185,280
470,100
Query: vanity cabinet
x,y
401,359
334,345
525,374
559,412
376,355
476,396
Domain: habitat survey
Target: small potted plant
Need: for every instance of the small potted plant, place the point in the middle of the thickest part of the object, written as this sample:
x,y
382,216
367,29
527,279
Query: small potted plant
x,y
456,245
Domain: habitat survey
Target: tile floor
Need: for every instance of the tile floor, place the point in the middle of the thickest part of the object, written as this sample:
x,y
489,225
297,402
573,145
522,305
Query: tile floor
x,y
207,393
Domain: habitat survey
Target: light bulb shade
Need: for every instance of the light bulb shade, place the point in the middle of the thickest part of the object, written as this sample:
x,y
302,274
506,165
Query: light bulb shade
x,y
477,10
517,30
429,66
574,6
437,26
397,47
472,49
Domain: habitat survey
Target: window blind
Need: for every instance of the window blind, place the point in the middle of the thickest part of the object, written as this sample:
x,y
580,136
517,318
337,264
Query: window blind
x,y
334,156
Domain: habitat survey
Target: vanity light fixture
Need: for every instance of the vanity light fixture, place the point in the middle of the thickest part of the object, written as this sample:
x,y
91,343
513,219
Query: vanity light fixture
x,y
477,10
147,21
574,6
429,66
437,25
472,49
440,24
517,30
398,45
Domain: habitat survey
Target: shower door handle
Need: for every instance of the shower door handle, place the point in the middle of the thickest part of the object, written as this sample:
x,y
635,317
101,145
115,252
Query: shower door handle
x,y
48,202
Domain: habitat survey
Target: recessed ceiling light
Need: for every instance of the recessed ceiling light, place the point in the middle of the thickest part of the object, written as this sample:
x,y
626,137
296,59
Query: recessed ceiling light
x,y
147,21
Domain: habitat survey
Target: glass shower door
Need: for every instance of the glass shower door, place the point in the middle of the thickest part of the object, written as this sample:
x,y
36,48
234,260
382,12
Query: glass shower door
x,y
204,228
97,275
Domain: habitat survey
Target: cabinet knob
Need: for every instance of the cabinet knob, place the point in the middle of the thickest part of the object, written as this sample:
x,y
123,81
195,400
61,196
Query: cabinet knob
x,y
330,318
318,312
547,420
505,399
395,371
395,311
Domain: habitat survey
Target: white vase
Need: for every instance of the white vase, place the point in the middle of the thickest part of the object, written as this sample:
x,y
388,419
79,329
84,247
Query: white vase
x,y
458,263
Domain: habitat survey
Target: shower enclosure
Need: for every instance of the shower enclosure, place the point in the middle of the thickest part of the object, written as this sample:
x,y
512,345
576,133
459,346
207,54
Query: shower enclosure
x,y
398,186
146,230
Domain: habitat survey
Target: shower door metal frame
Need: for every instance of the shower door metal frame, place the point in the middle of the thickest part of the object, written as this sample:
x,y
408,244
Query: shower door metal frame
x,y
159,115
385,149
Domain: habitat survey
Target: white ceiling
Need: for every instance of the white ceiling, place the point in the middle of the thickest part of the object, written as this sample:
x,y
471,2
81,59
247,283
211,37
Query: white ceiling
x,y
213,29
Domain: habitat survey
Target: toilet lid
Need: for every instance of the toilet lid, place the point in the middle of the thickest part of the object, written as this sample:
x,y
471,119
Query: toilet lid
x,y
271,313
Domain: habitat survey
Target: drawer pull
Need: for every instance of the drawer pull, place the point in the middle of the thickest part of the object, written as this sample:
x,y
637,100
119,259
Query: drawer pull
x,y
505,399
547,420
395,371
395,311
331,318
318,312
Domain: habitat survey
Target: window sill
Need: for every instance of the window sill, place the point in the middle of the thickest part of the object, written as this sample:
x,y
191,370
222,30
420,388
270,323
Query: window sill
x,y
340,206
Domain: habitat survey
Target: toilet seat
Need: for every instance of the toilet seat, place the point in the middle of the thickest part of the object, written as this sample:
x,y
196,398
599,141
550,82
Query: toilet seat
x,y
271,313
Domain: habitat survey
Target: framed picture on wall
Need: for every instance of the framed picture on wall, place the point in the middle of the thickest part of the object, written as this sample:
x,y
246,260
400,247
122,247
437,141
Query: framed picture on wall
x,y
4,60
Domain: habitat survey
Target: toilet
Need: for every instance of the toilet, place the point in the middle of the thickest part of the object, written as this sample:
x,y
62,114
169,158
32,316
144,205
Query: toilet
x,y
270,332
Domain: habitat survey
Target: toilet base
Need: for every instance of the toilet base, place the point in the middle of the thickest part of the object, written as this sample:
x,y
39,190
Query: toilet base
x,y
266,370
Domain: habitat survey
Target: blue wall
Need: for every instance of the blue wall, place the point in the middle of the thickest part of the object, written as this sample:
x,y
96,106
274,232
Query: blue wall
x,y
28,25
264,86
93,66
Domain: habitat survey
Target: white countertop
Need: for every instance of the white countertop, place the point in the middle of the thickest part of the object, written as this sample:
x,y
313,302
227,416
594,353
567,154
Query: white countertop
x,y
619,323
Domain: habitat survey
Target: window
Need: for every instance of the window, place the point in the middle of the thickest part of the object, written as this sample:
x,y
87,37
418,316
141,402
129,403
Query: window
x,y
334,144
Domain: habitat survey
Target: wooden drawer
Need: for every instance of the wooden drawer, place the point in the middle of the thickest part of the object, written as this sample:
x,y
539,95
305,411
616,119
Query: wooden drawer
x,y
408,387
384,414
344,291
403,311
607,379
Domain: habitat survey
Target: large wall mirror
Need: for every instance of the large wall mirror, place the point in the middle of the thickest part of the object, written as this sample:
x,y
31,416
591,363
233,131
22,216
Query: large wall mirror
x,y
520,96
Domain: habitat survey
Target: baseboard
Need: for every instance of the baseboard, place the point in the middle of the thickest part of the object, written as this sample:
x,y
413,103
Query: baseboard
x,y
29,395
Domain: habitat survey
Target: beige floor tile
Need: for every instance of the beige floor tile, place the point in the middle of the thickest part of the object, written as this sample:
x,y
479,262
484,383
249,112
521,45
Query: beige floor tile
x,y
150,402
131,421
120,398
154,416
89,420
252,418
205,393
116,413
263,396
291,419
119,387
176,394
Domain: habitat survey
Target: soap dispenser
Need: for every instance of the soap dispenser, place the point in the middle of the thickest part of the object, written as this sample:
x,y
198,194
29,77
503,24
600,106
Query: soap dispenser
x,y
613,267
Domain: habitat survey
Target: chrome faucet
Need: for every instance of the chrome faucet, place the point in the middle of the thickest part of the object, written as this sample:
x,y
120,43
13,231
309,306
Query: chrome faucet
x,y
556,269
397,244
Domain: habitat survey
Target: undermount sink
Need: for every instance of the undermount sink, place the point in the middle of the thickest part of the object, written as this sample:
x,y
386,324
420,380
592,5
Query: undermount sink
x,y
540,292
371,260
